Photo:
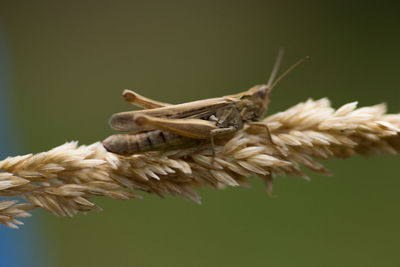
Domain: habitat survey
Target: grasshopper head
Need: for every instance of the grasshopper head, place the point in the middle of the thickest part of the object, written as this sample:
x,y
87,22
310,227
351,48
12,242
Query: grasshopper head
x,y
260,96
253,104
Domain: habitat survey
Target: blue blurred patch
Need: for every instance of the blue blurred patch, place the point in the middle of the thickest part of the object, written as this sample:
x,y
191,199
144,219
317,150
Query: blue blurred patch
x,y
21,247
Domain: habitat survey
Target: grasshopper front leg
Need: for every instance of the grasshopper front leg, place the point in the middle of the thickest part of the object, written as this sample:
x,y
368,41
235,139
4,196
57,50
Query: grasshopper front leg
x,y
220,131
141,101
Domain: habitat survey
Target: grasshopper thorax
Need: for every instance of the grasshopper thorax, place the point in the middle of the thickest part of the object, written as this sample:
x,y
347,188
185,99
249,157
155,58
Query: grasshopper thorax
x,y
253,103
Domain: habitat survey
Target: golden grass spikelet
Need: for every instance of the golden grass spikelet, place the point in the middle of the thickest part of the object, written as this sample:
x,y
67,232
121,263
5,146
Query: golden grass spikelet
x,y
64,179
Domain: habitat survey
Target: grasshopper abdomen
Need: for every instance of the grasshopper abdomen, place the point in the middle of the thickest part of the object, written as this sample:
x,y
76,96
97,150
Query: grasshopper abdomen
x,y
127,144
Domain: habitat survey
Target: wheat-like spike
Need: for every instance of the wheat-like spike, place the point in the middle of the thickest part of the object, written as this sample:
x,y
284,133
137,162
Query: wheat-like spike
x,y
64,179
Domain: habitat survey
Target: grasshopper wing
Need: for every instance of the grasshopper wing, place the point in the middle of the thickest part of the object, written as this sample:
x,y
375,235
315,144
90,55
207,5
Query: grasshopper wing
x,y
202,109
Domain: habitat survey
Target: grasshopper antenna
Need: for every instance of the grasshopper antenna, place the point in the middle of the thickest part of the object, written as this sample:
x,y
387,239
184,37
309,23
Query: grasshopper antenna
x,y
276,67
271,84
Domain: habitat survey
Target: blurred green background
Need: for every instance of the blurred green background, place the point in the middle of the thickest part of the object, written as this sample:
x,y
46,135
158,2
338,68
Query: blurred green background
x,y
70,62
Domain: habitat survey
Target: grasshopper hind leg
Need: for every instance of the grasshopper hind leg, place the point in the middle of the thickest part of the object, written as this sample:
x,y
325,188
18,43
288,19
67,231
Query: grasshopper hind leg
x,y
141,101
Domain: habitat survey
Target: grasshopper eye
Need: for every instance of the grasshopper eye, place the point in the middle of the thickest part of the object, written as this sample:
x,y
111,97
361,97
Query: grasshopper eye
x,y
262,92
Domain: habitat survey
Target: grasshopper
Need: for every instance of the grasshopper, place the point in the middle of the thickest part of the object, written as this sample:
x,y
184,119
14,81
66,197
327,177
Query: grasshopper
x,y
162,126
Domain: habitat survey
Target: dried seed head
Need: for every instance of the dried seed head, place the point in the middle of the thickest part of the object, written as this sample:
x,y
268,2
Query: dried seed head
x,y
65,179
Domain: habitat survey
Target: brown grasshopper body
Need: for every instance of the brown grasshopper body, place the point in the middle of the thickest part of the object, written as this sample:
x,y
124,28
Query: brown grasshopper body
x,y
163,126
127,144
